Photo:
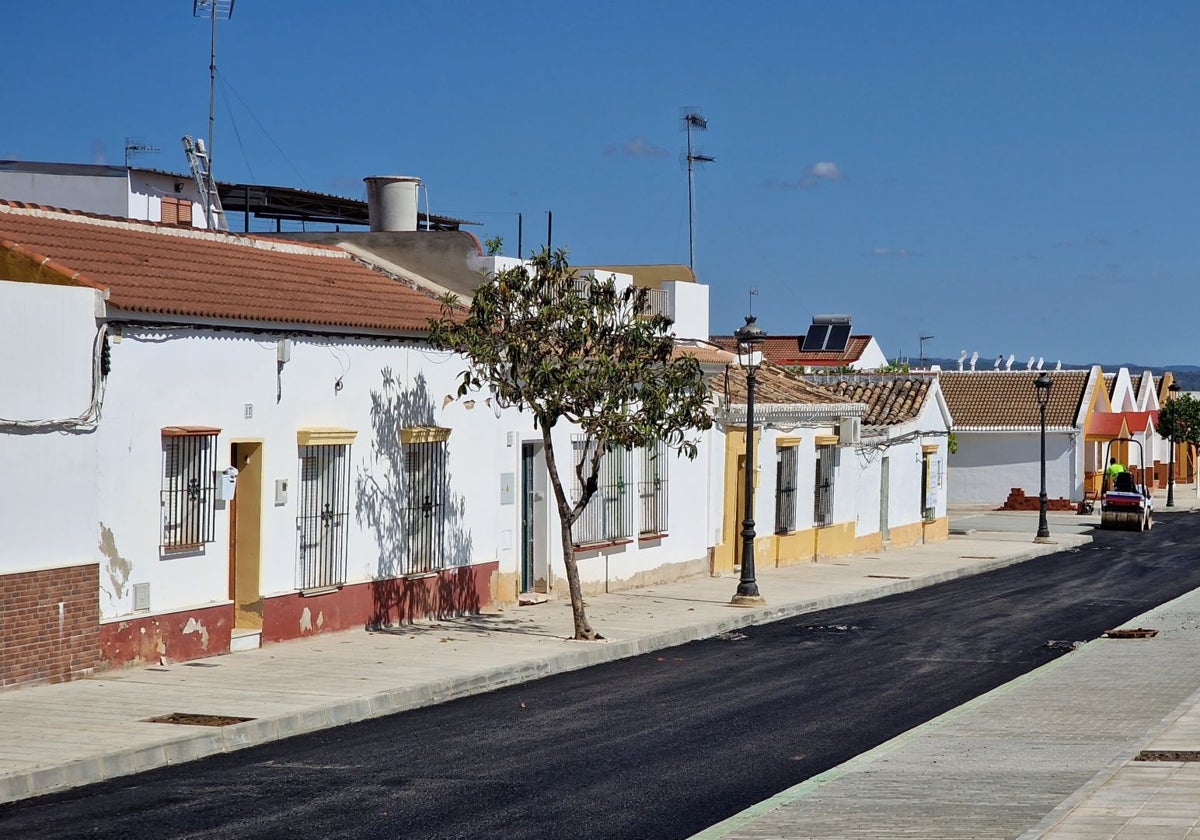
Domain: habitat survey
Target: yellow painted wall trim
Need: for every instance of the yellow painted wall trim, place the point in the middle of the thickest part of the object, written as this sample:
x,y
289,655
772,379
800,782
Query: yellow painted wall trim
x,y
929,448
827,440
325,436
784,442
424,434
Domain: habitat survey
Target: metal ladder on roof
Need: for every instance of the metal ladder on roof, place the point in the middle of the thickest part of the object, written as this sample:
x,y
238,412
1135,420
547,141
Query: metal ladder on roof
x,y
197,156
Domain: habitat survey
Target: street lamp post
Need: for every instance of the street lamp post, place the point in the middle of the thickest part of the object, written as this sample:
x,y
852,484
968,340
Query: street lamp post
x,y
1174,389
1042,385
750,338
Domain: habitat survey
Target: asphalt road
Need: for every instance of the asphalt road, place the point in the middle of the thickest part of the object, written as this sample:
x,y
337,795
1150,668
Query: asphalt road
x,y
659,746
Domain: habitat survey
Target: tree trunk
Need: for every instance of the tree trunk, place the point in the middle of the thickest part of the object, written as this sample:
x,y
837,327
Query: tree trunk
x,y
583,630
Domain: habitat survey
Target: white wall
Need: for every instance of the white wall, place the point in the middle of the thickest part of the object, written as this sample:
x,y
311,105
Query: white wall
x,y
989,464
105,194
688,308
206,378
146,190
872,357
48,494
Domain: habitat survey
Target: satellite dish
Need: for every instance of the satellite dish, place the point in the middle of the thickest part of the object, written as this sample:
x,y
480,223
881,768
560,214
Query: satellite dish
x,y
1012,357
999,361
974,359
1029,364
1041,361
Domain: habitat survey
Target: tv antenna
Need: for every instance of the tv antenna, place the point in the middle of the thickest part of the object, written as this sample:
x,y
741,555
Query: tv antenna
x,y
214,10
921,339
137,147
753,295
693,120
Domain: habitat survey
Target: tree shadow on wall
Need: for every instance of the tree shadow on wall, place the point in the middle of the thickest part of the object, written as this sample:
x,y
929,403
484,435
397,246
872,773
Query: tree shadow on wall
x,y
424,549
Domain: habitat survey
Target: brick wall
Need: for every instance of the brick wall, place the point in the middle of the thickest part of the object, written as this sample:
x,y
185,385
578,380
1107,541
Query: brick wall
x,y
49,625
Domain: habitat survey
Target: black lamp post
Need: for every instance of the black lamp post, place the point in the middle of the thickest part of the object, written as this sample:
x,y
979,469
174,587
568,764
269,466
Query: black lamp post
x,y
750,339
1042,384
1174,389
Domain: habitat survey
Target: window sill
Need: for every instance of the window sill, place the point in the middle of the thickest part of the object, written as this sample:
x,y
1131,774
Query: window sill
x,y
419,575
181,549
652,536
596,546
320,590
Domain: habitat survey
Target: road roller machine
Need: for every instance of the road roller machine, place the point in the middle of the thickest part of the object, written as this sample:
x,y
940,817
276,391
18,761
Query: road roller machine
x,y
1125,505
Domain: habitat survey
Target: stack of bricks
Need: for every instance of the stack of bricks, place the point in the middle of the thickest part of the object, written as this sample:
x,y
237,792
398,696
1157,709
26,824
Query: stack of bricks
x,y
1017,500
49,624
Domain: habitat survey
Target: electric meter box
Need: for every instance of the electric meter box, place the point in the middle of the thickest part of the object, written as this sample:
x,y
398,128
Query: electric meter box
x,y
226,484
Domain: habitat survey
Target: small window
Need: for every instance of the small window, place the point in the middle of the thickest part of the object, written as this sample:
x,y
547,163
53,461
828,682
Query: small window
x,y
176,211
823,489
188,494
323,512
785,489
608,516
652,490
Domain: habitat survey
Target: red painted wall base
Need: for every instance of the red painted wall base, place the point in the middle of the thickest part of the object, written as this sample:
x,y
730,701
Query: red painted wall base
x,y
167,637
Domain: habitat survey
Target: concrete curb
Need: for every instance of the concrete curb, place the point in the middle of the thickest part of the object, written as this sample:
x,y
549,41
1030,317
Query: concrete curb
x,y
207,742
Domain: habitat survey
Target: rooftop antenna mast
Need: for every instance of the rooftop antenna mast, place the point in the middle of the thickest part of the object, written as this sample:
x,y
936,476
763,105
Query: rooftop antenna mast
x,y
921,340
693,120
214,10
134,146
753,295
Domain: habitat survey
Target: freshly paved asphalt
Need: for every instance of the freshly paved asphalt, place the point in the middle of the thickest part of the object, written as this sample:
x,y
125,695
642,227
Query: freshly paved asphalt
x,y
630,621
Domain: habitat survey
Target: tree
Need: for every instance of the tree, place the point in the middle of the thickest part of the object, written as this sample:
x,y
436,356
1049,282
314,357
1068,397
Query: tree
x,y
584,352
494,245
1179,420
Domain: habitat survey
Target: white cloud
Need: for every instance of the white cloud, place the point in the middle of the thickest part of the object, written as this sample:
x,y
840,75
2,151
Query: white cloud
x,y
891,252
827,170
637,147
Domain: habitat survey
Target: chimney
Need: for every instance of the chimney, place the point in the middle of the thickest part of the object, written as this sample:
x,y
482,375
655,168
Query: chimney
x,y
392,202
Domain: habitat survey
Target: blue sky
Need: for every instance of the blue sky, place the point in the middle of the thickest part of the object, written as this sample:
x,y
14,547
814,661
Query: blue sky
x,y
1019,177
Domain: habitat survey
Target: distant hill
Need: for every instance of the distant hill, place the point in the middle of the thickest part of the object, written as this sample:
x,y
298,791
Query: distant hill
x,y
1188,376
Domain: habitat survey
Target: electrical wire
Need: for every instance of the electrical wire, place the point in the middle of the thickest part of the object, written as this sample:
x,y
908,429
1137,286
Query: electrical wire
x,y
90,418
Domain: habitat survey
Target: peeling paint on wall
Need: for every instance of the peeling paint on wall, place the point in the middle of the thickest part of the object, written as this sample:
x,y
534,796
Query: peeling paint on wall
x,y
194,626
116,567
305,621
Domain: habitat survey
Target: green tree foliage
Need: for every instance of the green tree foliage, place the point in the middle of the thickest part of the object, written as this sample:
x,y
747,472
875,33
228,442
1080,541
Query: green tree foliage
x,y
1179,420
581,351
494,245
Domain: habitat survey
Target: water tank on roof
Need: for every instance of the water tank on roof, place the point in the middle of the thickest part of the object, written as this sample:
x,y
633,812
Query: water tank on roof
x,y
392,202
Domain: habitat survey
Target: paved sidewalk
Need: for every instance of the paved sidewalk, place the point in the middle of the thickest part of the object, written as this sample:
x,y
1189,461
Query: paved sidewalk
x,y
1052,754
70,734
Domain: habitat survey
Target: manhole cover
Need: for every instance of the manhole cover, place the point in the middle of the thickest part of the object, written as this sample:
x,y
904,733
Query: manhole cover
x,y
1131,633
192,719
1168,755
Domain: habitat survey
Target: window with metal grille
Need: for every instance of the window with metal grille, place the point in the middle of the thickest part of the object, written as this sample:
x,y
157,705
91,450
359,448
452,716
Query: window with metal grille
x,y
425,506
652,489
609,513
823,491
188,487
785,489
322,517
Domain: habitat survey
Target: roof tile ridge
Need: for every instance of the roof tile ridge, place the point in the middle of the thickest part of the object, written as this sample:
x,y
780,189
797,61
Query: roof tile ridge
x,y
264,243
44,261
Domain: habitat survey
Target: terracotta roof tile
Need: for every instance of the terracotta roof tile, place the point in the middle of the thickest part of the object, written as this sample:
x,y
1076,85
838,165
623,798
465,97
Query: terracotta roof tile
x,y
889,400
1007,399
785,350
167,270
774,385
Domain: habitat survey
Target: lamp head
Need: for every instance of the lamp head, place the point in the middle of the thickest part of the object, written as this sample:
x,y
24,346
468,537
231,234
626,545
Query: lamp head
x,y
750,339
1042,384
1174,389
